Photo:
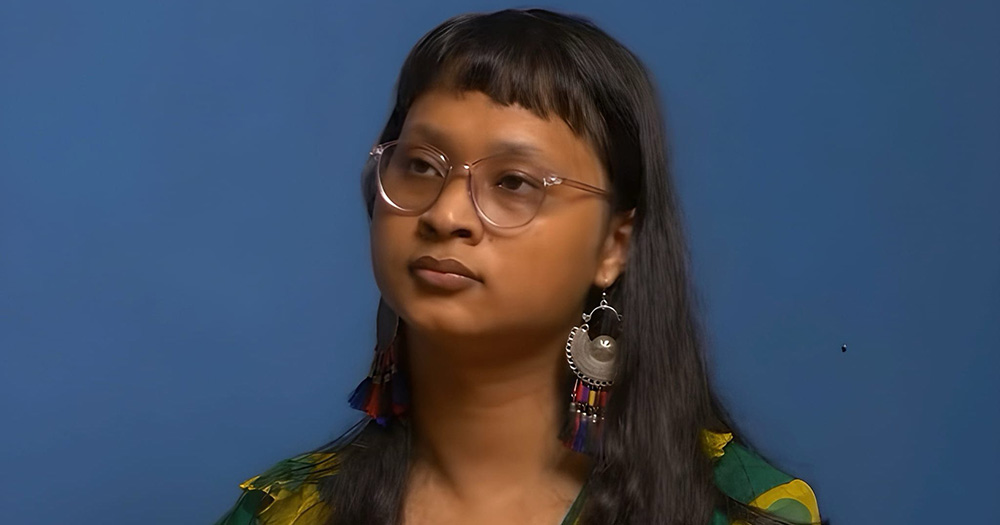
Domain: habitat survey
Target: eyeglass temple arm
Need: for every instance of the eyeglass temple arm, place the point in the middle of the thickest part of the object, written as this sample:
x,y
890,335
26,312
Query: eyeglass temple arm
x,y
578,185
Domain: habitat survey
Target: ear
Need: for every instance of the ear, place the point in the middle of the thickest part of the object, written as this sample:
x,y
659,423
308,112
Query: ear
x,y
614,251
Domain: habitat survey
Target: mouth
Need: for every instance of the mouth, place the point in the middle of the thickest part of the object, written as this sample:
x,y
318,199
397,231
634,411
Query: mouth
x,y
444,274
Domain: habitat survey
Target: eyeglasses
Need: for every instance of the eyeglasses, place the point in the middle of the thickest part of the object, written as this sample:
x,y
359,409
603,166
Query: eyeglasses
x,y
507,190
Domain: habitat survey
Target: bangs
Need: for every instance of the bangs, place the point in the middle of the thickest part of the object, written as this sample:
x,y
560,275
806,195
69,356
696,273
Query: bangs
x,y
554,65
514,58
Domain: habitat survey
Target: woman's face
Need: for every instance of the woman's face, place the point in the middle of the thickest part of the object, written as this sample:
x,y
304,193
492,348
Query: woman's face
x,y
531,280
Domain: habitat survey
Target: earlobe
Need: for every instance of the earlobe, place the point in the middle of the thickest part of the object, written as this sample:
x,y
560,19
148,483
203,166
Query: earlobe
x,y
616,250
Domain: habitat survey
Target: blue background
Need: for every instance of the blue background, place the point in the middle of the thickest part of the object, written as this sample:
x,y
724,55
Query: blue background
x,y
185,289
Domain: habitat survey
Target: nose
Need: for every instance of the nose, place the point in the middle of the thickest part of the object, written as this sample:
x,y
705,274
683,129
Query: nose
x,y
453,214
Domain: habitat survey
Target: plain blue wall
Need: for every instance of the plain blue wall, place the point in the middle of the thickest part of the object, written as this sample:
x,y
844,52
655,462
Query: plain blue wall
x,y
185,291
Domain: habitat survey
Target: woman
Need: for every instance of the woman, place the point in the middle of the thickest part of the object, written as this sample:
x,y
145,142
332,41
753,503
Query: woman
x,y
538,359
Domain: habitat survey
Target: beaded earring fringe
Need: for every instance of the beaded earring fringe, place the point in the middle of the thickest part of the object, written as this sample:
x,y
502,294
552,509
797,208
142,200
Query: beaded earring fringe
x,y
586,417
383,394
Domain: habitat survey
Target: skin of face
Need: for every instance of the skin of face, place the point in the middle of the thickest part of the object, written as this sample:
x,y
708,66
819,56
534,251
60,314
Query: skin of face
x,y
534,278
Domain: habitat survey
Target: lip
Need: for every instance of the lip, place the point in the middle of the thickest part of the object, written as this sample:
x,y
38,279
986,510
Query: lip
x,y
447,274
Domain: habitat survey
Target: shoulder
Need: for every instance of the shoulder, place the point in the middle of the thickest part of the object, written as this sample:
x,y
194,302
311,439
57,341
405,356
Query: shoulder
x,y
745,476
288,492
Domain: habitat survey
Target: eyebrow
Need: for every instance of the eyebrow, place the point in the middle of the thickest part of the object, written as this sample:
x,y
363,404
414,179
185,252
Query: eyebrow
x,y
517,147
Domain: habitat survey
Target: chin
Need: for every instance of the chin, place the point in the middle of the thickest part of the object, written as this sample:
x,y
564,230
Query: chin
x,y
439,319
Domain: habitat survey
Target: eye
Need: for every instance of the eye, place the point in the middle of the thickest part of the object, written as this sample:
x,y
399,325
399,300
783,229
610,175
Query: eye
x,y
516,182
419,166
511,182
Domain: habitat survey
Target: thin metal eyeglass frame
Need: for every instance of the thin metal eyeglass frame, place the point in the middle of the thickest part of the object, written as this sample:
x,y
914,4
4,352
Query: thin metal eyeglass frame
x,y
549,180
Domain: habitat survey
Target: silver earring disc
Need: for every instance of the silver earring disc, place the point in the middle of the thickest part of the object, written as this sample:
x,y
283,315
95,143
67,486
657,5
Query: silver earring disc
x,y
594,359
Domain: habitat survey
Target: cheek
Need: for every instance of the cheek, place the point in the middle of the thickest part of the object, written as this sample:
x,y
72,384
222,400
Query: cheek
x,y
548,270
386,237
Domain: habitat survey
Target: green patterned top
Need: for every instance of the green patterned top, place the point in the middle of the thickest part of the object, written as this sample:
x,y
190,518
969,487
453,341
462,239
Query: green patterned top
x,y
287,493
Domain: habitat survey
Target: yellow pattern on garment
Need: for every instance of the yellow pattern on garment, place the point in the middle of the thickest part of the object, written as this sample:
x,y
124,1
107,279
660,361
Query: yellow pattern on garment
x,y
796,490
713,443
298,505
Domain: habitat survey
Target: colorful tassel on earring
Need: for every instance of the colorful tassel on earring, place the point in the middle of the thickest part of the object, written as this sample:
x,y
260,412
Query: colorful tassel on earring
x,y
382,394
587,405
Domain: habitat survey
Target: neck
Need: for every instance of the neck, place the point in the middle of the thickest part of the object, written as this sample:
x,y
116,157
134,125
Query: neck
x,y
484,424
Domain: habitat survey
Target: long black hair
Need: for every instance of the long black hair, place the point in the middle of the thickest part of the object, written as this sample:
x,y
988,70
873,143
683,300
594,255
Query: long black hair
x,y
651,468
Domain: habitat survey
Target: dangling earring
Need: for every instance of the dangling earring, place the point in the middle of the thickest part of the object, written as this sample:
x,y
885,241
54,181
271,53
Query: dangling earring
x,y
384,393
593,362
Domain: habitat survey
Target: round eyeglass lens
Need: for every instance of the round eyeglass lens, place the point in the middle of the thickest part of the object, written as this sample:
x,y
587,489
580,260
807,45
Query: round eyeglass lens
x,y
508,190
411,176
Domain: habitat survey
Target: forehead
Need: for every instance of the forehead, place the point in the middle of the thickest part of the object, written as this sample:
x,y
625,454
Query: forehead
x,y
469,125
